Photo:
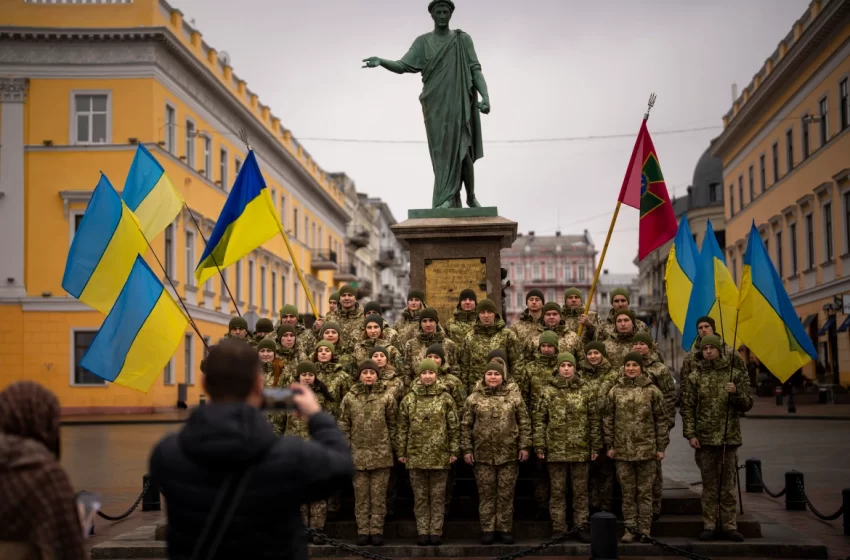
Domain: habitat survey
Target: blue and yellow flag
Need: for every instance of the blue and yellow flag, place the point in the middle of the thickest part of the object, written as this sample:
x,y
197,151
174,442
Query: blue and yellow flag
x,y
139,335
104,249
768,323
150,194
681,273
247,220
714,293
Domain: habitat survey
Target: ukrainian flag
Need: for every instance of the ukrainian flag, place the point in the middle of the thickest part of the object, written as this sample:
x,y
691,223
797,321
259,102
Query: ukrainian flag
x,y
247,220
104,249
714,293
139,335
150,194
681,273
768,323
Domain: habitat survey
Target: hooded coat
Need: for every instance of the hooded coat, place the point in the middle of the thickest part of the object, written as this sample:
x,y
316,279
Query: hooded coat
x,y
368,420
427,427
567,423
635,423
479,343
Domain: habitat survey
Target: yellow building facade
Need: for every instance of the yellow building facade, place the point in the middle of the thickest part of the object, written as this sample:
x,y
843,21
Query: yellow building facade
x,y
786,165
81,84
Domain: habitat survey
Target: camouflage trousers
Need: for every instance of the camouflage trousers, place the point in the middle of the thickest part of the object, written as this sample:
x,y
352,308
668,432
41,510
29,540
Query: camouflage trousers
x,y
709,459
561,474
314,515
636,479
657,489
496,485
370,500
541,483
602,482
429,496
450,487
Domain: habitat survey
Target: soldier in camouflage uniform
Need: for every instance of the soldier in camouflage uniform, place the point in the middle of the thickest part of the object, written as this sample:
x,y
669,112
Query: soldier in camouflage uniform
x,y
495,435
623,341
705,327
530,322
597,373
430,332
539,367
314,514
332,332
329,372
488,333
263,329
619,300
373,308
333,302
427,444
237,328
709,400
387,373
368,419
661,377
272,368
408,325
286,349
574,316
568,436
568,341
306,338
349,317
373,334
636,433
464,317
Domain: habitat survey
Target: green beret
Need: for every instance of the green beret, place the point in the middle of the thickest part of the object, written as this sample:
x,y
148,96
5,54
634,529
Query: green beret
x,y
573,292
429,313
548,337
238,323
551,306
711,340
427,365
347,289
306,367
634,357
621,292
487,305
264,326
566,357
266,343
535,293
644,337
288,309
417,294
437,349
596,345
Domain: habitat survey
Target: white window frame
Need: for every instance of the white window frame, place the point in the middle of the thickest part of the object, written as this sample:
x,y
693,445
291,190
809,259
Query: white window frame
x,y
283,210
168,373
72,220
207,146
170,131
237,166
263,286
73,362
170,258
282,291
189,359
274,292
189,241
191,145
72,131
237,282
223,169
251,294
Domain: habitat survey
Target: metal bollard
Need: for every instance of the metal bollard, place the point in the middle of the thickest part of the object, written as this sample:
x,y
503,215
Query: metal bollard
x,y
792,406
150,500
752,479
603,536
845,504
794,499
778,392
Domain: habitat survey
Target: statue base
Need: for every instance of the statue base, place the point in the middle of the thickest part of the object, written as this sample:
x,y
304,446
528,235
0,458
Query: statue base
x,y
481,212
452,251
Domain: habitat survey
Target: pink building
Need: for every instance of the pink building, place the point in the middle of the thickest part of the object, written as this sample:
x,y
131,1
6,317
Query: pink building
x,y
550,263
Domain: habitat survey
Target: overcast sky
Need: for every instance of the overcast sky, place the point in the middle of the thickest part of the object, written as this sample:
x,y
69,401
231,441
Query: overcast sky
x,y
555,69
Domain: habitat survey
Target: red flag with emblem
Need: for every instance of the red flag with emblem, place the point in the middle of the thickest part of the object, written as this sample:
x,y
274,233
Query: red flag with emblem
x,y
644,189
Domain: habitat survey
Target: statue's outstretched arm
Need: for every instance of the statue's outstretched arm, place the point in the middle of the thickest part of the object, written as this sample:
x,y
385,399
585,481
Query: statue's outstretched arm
x,y
394,66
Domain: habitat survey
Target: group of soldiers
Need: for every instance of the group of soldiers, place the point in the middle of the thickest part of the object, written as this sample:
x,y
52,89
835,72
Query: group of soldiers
x,y
586,398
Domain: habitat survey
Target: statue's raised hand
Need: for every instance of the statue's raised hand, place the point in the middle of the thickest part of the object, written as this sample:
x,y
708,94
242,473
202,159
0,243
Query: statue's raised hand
x,y
484,106
371,62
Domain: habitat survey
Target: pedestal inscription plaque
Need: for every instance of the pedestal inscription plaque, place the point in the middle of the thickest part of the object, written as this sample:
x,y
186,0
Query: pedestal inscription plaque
x,y
445,278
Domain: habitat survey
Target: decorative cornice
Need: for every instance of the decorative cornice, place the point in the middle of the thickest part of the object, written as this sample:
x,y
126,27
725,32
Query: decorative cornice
x,y
805,199
13,90
841,176
823,188
70,197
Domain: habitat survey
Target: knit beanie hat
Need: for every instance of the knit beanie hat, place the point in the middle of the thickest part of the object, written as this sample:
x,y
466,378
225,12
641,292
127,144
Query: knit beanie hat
x,y
621,292
288,309
372,307
566,357
644,337
267,344
535,292
629,312
438,350
347,289
427,365
572,292
237,323
376,349
467,294
418,294
283,329
711,340
264,326
326,344
634,357
497,353
429,313
709,320
332,326
596,345
548,337
495,366
334,297
367,364
374,319
551,306
306,367
487,305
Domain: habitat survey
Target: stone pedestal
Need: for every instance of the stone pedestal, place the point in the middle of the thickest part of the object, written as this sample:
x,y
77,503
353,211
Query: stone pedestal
x,y
454,249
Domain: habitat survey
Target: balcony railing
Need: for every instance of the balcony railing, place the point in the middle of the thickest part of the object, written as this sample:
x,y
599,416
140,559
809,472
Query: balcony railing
x,y
345,273
386,301
386,259
324,259
364,288
358,237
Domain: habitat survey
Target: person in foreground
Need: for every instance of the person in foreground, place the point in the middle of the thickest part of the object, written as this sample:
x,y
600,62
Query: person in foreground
x,y
231,486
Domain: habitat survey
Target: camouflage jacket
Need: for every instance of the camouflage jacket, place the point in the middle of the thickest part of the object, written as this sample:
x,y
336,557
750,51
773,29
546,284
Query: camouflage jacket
x,y
289,359
460,325
567,423
337,381
568,341
600,378
495,426
618,346
395,383
479,343
427,427
608,329
368,419
417,347
351,323
406,327
694,358
305,339
571,315
271,369
635,422
704,403
299,427
536,374
661,377
454,386
526,327
363,351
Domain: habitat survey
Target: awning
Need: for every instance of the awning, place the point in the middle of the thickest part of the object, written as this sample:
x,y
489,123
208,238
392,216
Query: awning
x,y
845,325
826,326
808,320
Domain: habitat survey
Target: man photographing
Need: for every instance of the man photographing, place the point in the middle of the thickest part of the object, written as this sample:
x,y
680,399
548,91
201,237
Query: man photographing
x,y
232,487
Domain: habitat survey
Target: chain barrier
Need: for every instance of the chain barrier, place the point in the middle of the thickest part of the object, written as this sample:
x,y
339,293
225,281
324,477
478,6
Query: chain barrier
x,y
664,546
363,553
779,494
127,513
814,510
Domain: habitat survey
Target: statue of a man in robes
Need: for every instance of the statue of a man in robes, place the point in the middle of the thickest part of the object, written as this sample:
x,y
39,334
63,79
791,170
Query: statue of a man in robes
x,y
452,80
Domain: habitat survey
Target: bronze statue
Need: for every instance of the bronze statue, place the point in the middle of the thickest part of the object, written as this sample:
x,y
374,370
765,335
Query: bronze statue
x,y
452,80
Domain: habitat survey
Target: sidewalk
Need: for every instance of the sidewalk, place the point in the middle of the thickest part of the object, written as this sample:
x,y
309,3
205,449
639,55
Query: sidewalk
x,y
174,417
807,409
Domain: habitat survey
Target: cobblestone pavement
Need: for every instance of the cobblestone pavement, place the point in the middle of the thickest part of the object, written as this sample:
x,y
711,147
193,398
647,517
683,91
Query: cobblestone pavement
x,y
111,459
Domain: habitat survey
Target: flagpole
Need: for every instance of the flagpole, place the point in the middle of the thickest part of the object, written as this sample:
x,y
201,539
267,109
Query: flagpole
x,y
243,135
215,262
592,291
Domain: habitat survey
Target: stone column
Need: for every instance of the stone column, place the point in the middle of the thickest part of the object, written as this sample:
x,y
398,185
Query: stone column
x,y
13,93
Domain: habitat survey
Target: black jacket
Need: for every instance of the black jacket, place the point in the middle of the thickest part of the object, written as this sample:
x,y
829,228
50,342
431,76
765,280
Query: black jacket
x,y
192,465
